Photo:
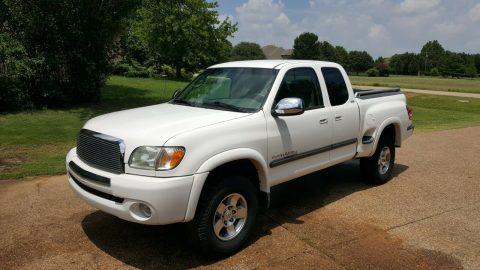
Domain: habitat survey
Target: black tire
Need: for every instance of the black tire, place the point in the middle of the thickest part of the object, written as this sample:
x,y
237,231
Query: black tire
x,y
202,227
370,167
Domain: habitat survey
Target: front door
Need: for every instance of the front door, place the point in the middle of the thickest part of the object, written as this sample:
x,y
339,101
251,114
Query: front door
x,y
298,145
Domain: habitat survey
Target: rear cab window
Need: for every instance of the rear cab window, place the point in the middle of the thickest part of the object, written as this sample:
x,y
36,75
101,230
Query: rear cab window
x,y
336,87
301,83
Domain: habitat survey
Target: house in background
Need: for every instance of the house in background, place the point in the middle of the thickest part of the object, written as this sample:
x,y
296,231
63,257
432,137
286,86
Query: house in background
x,y
274,52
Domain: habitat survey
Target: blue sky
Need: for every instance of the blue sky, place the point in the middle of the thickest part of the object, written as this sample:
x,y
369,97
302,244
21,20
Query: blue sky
x,y
381,27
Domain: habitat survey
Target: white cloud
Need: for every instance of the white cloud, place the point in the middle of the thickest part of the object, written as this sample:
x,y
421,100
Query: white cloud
x,y
377,32
416,6
475,13
381,27
265,22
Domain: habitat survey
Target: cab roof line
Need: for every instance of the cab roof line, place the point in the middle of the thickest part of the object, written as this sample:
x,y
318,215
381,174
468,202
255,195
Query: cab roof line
x,y
279,65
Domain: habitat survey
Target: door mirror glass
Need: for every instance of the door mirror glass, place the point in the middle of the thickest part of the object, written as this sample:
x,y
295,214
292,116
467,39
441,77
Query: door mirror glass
x,y
289,106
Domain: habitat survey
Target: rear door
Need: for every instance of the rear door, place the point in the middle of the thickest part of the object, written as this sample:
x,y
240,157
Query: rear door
x,y
345,115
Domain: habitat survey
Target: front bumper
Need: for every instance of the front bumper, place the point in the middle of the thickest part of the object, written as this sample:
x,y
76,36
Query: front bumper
x,y
168,198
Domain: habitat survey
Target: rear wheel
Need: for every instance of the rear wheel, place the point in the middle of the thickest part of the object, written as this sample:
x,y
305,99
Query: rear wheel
x,y
226,215
377,169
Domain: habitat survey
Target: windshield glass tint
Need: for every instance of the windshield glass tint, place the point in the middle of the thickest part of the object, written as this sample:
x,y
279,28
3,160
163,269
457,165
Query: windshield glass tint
x,y
237,89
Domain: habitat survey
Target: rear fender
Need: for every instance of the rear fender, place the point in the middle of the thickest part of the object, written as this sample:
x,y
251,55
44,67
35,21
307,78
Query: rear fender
x,y
366,150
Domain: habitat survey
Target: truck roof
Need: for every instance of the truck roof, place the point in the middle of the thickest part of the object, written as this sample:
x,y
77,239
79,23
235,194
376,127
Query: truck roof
x,y
271,63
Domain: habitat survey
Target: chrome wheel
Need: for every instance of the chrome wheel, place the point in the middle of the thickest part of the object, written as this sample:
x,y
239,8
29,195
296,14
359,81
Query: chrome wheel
x,y
230,216
384,160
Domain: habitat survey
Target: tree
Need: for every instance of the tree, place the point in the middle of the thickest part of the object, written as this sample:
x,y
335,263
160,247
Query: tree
x,y
405,64
359,61
373,72
247,51
342,56
65,46
476,60
432,53
452,65
327,52
382,66
185,33
306,46
470,70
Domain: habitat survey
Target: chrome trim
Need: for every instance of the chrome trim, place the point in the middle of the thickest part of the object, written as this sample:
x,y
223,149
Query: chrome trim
x,y
121,143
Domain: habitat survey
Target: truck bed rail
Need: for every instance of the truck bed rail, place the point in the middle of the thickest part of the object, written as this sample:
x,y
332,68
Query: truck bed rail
x,y
366,94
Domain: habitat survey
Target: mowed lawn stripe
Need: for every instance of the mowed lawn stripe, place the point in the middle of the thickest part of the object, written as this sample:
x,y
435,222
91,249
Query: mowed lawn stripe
x,y
440,112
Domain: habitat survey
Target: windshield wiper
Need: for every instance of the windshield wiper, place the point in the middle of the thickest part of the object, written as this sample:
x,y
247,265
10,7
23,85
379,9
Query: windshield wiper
x,y
183,102
227,106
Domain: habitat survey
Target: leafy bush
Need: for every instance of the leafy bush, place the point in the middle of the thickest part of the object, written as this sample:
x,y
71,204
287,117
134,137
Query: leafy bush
x,y
168,71
133,70
15,72
137,73
120,69
470,71
434,72
62,50
373,72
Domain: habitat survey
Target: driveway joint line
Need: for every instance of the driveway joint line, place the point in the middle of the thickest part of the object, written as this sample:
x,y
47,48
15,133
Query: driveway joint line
x,y
431,216
315,247
401,225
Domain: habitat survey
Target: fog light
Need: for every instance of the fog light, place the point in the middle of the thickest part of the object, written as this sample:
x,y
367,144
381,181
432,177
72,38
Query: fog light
x,y
145,211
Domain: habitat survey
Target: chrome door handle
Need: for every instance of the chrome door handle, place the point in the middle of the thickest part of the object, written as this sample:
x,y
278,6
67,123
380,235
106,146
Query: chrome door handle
x,y
323,121
338,118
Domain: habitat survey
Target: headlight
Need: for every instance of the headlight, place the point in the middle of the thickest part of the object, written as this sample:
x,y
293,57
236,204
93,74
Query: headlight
x,y
156,157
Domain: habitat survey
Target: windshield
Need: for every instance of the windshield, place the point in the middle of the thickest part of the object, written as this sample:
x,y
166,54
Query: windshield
x,y
234,89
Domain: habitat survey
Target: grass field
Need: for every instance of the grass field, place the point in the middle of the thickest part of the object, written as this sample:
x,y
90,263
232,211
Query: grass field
x,y
416,82
35,143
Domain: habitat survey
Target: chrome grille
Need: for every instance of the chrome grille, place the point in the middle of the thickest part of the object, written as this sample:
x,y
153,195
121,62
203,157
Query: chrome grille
x,y
101,151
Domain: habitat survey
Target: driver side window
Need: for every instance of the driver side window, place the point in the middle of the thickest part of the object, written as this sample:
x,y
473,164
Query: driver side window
x,y
301,83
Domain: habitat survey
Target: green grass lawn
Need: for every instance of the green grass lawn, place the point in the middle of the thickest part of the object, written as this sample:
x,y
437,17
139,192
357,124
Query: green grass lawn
x,y
432,113
416,82
35,143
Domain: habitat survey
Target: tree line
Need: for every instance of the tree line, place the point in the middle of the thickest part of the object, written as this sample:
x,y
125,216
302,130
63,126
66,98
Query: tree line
x,y
433,60
59,53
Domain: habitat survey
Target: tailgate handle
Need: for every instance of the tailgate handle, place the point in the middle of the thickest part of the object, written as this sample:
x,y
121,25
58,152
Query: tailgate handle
x,y
338,118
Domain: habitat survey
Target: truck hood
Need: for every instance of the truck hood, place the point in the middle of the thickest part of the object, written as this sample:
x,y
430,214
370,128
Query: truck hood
x,y
154,125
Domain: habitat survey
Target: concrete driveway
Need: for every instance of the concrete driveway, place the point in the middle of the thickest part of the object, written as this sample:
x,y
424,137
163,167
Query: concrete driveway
x,y
427,217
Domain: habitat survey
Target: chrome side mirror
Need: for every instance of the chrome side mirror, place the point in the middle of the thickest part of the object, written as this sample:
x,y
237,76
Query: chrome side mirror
x,y
289,106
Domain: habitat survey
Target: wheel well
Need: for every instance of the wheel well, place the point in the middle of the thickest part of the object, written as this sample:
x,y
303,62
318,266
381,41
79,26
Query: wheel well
x,y
390,132
243,167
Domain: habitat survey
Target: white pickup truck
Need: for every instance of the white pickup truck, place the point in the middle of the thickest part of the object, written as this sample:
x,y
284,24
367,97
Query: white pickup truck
x,y
211,155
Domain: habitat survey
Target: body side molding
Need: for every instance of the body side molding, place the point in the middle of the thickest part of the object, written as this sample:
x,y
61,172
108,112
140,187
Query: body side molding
x,y
291,158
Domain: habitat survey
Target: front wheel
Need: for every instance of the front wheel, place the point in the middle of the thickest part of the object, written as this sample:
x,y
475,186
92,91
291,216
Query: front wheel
x,y
226,215
377,169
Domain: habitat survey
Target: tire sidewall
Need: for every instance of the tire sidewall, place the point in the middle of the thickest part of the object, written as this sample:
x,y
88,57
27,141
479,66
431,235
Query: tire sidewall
x,y
232,184
383,178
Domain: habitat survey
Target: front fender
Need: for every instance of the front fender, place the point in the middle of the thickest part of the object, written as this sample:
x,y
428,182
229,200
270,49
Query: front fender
x,y
210,164
237,154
